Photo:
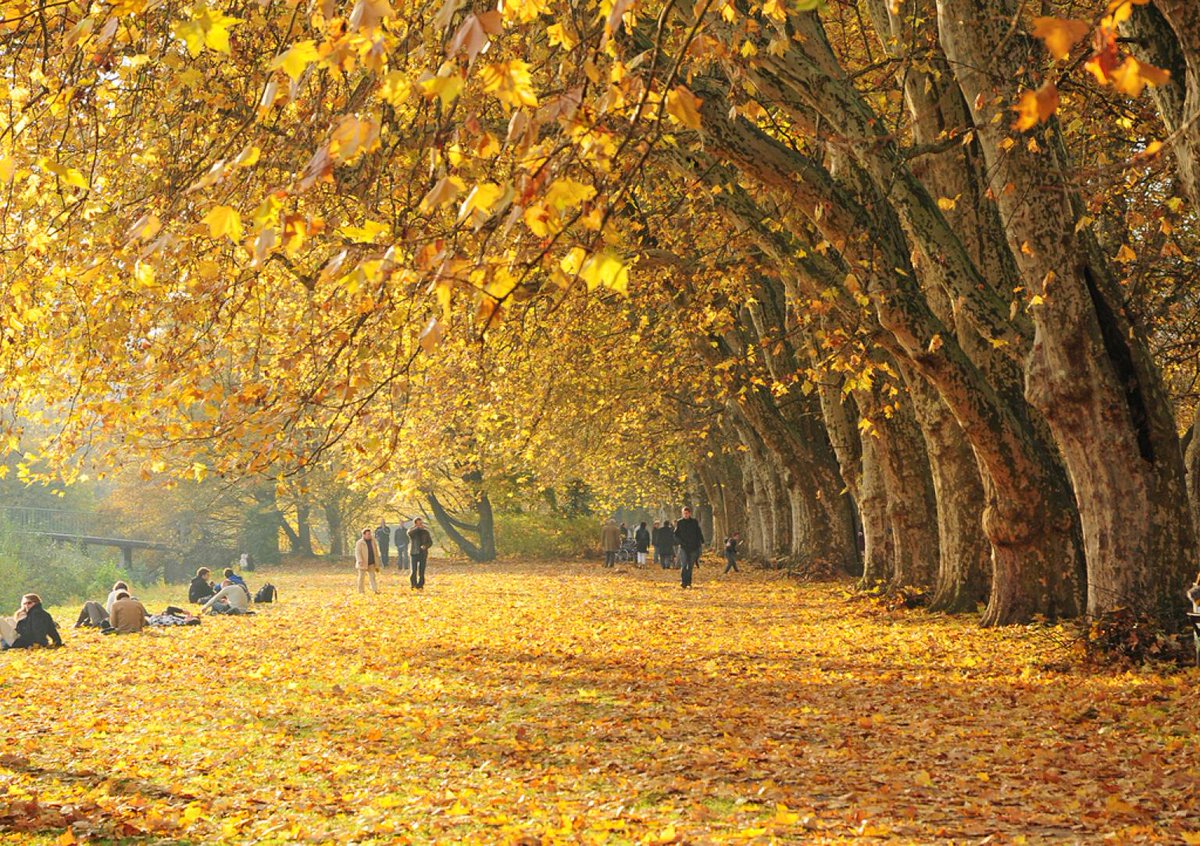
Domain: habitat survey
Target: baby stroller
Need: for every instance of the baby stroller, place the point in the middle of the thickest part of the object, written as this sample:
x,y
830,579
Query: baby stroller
x,y
627,552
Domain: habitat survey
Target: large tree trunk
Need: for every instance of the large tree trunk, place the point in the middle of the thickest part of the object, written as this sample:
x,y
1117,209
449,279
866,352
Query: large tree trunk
x,y
1182,120
911,510
1090,372
964,561
878,551
483,548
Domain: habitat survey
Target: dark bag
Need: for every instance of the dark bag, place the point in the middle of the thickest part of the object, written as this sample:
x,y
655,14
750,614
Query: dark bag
x,y
266,593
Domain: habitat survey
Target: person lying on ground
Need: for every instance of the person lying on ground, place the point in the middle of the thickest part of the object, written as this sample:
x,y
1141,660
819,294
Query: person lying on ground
x,y
128,614
232,599
201,589
92,615
173,616
31,626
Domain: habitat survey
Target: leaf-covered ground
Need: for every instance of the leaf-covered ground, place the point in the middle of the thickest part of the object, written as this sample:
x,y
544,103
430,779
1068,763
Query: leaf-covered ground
x,y
566,703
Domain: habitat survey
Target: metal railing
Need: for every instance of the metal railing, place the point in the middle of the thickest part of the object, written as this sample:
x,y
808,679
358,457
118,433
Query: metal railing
x,y
56,521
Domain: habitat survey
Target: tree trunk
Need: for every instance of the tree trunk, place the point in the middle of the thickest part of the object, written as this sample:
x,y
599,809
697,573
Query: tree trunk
x,y
337,530
878,551
964,559
1183,122
911,509
1090,372
484,547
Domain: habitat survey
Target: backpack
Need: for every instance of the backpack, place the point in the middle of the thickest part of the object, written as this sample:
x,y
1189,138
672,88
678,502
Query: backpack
x,y
266,593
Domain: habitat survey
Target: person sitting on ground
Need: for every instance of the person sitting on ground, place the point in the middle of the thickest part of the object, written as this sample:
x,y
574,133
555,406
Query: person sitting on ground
x,y
92,615
236,579
32,626
112,596
128,614
231,599
201,589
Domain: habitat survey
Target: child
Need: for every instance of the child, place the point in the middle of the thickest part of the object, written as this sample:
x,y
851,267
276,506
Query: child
x,y
731,544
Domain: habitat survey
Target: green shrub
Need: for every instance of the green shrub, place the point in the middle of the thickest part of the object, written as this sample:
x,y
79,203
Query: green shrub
x,y
544,536
61,574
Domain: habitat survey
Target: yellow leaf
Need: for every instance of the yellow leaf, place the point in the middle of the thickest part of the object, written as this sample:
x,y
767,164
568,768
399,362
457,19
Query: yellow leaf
x,y
947,203
395,88
297,59
353,137
7,168
143,275
607,270
480,201
205,28
248,156
923,779
1060,35
446,88
224,221
1036,107
368,232
510,82
1132,76
1125,254
146,227
442,193
431,336
684,107
560,34
66,838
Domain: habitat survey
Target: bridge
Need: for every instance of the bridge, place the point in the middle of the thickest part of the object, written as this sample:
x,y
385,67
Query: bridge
x,y
65,526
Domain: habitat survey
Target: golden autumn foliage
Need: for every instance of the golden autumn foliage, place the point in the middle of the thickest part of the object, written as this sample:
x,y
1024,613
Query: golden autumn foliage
x,y
520,703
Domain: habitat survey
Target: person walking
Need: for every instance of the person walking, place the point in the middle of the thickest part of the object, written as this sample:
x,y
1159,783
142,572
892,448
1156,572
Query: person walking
x,y
656,540
383,540
691,539
366,560
668,545
610,541
641,539
419,544
400,536
731,545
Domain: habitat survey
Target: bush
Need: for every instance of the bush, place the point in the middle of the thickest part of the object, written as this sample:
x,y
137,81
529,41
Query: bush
x,y
60,574
544,536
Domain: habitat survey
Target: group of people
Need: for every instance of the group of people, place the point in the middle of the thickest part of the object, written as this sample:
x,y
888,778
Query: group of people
x,y
231,596
412,543
674,545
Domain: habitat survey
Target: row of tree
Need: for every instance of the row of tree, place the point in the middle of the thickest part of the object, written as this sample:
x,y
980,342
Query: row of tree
x,y
898,268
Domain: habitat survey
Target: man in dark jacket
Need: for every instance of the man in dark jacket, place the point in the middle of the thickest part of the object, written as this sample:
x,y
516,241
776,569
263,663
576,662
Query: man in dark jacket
x,y
691,539
201,589
383,539
35,626
419,542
